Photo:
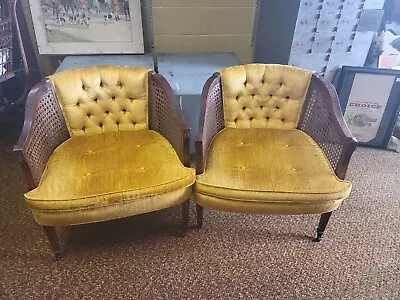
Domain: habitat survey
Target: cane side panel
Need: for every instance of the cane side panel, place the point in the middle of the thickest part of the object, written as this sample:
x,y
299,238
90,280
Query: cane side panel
x,y
320,121
47,131
165,116
211,119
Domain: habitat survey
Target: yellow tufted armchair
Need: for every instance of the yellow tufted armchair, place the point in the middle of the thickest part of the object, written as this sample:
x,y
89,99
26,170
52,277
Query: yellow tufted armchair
x,y
102,143
271,140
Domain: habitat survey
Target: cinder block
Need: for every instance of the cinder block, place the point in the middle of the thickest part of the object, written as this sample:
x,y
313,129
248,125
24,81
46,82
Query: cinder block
x,y
182,20
219,3
242,45
168,43
247,60
177,3
208,43
237,20
246,3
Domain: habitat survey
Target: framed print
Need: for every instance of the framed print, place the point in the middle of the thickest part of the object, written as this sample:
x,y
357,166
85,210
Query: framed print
x,y
370,101
87,26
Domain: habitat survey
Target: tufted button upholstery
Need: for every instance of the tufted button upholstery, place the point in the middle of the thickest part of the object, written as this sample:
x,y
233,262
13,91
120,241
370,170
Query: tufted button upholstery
x,y
103,99
273,95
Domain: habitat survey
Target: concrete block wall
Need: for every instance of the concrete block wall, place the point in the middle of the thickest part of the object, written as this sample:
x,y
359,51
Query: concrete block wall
x,y
204,26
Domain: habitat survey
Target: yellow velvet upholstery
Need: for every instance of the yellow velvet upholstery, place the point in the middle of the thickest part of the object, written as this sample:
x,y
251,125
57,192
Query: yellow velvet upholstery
x,y
274,171
111,175
103,99
263,96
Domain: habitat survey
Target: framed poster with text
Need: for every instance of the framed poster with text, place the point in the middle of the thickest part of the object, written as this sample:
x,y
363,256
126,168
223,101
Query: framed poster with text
x,y
370,102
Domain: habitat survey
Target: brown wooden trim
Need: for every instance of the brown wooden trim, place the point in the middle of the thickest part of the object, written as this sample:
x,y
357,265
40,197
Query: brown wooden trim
x,y
163,83
323,221
32,103
351,142
348,141
208,86
51,234
185,216
199,215
31,106
25,171
335,106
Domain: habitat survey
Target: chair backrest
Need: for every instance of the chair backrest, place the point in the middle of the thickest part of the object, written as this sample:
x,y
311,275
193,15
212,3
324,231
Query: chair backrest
x,y
101,99
263,95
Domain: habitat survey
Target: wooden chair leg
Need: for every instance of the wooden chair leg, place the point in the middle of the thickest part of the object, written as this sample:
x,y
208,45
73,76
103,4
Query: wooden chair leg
x,y
323,221
199,213
53,239
185,217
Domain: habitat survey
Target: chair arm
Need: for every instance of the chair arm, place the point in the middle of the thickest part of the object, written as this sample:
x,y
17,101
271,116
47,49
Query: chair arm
x,y
166,117
43,130
211,119
322,119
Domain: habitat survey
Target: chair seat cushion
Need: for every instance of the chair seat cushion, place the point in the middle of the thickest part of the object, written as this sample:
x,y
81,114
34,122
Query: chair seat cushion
x,y
88,172
267,171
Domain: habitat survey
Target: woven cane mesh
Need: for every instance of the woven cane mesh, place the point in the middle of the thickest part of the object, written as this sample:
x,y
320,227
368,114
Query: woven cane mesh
x,y
214,115
319,122
48,130
163,119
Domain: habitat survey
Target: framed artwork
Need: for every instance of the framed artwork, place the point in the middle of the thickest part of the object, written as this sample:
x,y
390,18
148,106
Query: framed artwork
x,y
87,26
370,102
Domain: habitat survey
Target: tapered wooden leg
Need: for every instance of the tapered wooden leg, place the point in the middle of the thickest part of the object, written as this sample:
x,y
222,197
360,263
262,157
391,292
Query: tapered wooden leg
x,y
323,221
53,239
185,217
199,213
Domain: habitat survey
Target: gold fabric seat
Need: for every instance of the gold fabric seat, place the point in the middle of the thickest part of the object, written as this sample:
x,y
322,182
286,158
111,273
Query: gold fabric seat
x,y
271,140
102,143
266,171
101,176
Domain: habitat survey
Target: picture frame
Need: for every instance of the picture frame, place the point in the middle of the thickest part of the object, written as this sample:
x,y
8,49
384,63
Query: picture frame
x,y
370,103
87,26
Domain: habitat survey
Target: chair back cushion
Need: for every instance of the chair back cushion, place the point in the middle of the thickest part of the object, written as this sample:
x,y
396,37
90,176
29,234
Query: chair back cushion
x,y
103,99
263,96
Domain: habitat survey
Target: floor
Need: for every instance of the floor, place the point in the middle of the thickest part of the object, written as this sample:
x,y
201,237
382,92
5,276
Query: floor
x,y
234,256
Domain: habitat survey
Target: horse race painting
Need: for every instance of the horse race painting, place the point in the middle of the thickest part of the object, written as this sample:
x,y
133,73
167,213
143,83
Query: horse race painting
x,y
87,26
